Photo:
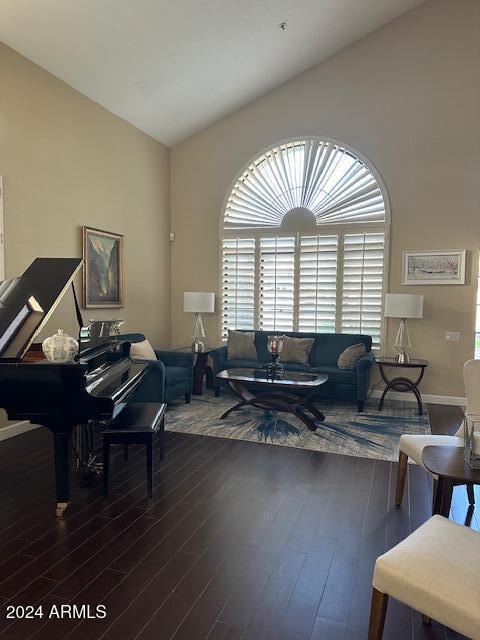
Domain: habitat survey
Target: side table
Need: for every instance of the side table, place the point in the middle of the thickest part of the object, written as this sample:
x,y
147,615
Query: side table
x,y
200,369
449,465
401,383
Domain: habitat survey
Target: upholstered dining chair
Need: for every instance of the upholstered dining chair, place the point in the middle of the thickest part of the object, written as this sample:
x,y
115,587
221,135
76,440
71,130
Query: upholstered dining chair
x,y
441,586
411,446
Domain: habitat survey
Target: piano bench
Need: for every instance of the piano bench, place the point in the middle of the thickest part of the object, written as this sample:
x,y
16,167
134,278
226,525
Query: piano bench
x,y
137,423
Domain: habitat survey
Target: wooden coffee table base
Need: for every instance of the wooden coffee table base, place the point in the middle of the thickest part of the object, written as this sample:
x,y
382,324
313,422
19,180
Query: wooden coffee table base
x,y
276,401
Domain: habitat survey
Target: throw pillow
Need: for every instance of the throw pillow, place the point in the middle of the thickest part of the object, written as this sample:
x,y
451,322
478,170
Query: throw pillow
x,y
241,345
349,357
296,350
142,351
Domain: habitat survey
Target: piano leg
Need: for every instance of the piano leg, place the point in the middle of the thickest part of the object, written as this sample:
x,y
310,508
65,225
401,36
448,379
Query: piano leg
x,y
62,447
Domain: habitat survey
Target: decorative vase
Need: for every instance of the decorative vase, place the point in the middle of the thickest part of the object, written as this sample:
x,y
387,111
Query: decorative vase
x,y
471,434
60,348
275,370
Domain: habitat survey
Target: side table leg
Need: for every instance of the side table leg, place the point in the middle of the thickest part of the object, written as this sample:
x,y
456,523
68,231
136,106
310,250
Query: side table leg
x,y
438,492
447,498
382,399
198,374
443,497
419,400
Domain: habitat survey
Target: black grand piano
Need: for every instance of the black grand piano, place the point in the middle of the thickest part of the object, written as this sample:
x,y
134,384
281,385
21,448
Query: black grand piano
x,y
60,397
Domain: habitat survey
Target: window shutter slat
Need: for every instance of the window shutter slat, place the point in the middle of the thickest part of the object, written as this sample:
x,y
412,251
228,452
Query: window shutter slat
x,y
317,283
363,273
238,294
277,270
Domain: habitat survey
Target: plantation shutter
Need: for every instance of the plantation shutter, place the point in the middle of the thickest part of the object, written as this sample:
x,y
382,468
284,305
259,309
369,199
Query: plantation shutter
x,y
277,271
317,283
362,293
238,295
318,175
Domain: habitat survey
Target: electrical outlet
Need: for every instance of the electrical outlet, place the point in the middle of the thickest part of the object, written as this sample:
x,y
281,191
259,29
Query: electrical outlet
x,y
452,336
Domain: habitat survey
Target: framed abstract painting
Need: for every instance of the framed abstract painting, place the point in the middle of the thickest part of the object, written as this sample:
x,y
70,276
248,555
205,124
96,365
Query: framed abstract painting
x,y
102,269
434,267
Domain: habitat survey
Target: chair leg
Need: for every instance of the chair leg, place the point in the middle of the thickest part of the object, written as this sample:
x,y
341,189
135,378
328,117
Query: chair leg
x,y
377,615
447,499
106,464
401,477
360,406
470,494
162,439
125,451
149,460
434,495
187,398
217,391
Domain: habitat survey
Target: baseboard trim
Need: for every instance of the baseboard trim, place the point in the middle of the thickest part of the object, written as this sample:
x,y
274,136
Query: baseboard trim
x,y
16,429
457,401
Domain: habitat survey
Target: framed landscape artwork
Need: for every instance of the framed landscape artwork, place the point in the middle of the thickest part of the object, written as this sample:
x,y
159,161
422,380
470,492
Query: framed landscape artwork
x,y
434,267
102,269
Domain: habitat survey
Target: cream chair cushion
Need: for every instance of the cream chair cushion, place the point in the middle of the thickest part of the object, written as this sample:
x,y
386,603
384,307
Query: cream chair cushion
x,y
435,571
142,351
413,445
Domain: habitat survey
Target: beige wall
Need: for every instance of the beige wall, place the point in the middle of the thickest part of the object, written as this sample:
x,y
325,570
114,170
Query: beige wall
x,y
408,98
67,162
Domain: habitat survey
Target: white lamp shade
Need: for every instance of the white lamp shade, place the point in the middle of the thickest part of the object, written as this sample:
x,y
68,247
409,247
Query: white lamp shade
x,y
403,305
198,302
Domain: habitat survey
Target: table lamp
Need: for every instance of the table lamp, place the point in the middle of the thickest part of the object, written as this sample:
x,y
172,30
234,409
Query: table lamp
x,y
403,306
198,302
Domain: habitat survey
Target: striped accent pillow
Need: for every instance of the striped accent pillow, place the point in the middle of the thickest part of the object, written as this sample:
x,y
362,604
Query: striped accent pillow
x,y
241,345
350,356
296,350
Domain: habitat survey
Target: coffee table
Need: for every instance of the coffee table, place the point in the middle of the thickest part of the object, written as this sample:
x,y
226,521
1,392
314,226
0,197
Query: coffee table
x,y
449,465
276,395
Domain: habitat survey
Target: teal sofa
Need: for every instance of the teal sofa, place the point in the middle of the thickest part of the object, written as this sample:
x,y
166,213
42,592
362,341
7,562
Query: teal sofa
x,y
168,377
349,384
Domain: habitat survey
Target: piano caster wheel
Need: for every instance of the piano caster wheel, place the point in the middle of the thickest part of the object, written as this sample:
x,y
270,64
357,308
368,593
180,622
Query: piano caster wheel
x,y
61,506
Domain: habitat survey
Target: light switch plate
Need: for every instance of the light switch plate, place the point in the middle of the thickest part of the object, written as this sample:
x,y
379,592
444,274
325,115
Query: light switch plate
x,y
452,336
172,236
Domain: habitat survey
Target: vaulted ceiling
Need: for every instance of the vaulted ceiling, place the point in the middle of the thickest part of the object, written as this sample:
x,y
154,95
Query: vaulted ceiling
x,y
172,67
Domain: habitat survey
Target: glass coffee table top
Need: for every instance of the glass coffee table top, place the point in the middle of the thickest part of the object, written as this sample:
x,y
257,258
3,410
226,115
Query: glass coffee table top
x,y
293,392
294,379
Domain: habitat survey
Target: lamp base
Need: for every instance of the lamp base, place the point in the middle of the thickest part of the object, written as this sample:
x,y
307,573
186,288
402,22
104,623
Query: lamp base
x,y
198,346
402,343
402,358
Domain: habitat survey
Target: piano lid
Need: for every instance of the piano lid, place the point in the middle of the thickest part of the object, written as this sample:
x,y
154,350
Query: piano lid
x,y
27,302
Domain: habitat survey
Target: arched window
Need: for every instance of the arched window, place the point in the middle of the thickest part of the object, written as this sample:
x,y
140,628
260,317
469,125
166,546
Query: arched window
x,y
305,231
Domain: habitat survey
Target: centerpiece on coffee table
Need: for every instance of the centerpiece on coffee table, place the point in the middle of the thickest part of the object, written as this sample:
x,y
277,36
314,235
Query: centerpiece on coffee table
x,y
275,369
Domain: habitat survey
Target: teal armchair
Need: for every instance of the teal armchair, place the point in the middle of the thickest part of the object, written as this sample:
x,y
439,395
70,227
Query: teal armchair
x,y
168,377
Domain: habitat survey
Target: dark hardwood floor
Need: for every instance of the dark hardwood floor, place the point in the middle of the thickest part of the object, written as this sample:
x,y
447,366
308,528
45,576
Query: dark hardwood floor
x,y
240,541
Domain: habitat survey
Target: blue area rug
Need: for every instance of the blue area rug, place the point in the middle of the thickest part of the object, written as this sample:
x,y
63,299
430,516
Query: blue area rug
x,y
372,434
